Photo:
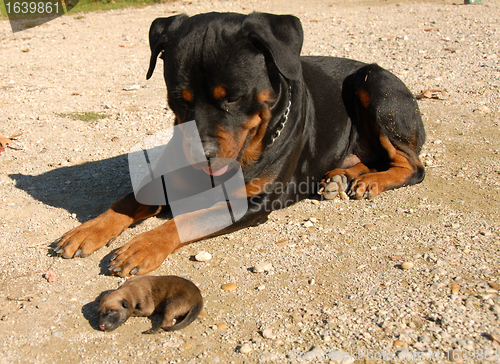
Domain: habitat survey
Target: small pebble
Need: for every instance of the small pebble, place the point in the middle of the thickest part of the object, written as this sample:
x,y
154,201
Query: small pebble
x,y
262,267
438,271
131,87
58,334
399,343
203,257
267,334
308,224
245,349
407,265
261,287
222,326
282,242
369,226
426,339
455,288
229,287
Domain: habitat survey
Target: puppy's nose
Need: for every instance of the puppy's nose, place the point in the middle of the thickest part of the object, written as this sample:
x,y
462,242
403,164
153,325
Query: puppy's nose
x,y
210,150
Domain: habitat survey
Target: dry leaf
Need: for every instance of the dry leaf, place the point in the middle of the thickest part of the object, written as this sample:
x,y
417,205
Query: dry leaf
x,y
433,94
4,141
50,276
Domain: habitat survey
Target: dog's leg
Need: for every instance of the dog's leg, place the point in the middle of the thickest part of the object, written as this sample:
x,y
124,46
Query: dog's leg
x,y
403,170
147,251
96,233
391,134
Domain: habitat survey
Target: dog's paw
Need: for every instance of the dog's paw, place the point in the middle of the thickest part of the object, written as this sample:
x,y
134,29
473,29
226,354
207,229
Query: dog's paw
x,y
141,255
85,239
334,186
365,186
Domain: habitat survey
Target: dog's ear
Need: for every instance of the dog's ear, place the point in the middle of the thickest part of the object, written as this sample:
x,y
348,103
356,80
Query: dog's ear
x,y
158,36
125,303
280,37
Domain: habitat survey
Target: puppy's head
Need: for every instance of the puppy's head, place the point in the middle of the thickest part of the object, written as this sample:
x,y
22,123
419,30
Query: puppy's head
x,y
113,311
230,73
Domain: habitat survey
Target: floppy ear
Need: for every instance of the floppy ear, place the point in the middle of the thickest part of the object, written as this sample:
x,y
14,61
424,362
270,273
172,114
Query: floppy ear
x,y
279,36
158,37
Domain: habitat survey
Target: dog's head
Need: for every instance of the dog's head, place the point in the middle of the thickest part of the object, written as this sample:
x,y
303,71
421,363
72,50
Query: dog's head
x,y
114,310
228,72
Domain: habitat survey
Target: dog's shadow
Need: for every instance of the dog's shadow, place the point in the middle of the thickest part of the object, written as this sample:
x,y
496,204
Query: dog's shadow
x,y
84,190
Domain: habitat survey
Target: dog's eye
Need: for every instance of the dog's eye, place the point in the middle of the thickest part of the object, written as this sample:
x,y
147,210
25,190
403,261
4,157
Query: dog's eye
x,y
232,100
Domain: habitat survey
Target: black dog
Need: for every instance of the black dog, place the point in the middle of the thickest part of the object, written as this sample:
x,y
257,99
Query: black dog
x,y
288,120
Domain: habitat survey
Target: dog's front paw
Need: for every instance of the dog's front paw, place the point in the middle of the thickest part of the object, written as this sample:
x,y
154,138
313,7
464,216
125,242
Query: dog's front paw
x,y
365,186
141,255
333,186
85,239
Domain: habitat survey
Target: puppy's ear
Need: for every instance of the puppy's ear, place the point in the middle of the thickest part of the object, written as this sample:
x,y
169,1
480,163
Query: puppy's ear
x,y
280,37
158,36
125,303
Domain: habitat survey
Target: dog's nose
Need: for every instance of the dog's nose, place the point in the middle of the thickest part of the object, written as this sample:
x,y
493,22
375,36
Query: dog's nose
x,y
210,150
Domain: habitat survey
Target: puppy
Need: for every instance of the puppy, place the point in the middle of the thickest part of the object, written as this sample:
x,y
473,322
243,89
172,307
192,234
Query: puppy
x,y
143,296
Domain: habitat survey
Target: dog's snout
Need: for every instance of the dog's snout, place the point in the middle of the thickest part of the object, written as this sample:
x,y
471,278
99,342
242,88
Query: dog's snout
x,y
210,149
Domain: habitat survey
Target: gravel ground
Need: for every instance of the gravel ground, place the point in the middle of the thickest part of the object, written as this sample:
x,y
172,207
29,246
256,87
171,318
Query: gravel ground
x,y
408,277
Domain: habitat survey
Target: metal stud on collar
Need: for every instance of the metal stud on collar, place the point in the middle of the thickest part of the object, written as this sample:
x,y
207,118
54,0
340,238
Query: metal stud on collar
x,y
284,117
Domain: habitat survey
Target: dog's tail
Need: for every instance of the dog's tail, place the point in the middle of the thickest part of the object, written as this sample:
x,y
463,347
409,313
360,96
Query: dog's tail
x,y
190,317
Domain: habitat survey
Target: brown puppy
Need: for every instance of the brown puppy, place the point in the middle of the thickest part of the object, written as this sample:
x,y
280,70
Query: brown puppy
x,y
144,296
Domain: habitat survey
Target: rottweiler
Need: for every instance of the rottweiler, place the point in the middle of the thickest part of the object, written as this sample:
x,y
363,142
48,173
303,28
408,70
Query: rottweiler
x,y
296,125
